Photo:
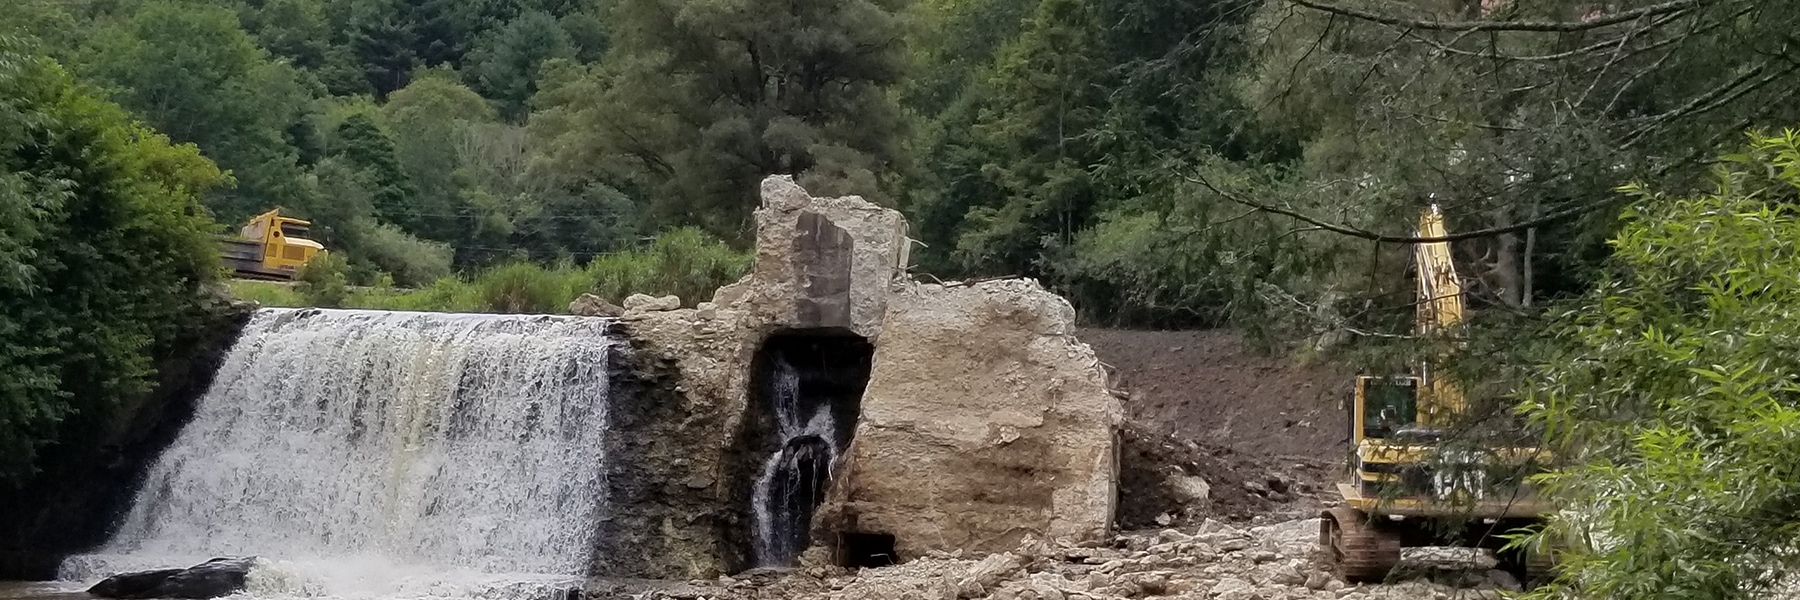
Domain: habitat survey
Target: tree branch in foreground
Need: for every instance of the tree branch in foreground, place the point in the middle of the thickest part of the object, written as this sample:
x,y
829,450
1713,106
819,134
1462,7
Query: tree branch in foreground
x,y
1552,26
1357,232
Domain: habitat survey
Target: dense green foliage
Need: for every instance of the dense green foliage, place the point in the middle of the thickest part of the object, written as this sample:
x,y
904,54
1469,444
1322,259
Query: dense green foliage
x,y
397,125
698,100
1053,155
1105,146
103,253
1677,398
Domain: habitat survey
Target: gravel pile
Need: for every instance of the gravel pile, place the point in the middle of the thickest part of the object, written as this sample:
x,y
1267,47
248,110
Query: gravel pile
x,y
1212,561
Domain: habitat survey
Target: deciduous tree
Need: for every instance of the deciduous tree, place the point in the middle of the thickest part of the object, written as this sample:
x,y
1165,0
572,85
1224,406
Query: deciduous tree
x,y
104,252
1675,401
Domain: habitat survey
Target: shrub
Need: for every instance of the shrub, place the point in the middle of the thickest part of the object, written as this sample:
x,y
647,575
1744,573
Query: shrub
x,y
411,260
685,262
1675,403
325,281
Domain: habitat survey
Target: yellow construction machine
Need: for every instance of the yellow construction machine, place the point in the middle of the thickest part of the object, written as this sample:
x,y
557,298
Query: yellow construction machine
x,y
1410,483
270,246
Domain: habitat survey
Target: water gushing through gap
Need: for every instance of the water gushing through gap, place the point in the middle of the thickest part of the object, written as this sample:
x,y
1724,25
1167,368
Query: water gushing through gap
x,y
811,385
793,479
361,449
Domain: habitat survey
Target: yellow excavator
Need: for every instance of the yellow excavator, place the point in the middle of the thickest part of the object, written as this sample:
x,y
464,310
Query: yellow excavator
x,y
1410,483
270,246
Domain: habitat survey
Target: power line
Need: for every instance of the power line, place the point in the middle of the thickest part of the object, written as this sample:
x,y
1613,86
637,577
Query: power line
x,y
519,249
478,216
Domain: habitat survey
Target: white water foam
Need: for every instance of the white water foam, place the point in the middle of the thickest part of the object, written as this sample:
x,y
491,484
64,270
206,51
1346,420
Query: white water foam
x,y
385,454
786,491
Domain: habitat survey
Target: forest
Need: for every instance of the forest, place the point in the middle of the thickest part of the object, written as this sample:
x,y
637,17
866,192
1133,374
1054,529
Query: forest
x,y
1619,180
1162,163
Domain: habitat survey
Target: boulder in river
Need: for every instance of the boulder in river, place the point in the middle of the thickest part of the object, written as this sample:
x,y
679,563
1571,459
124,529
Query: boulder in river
x,y
141,584
211,579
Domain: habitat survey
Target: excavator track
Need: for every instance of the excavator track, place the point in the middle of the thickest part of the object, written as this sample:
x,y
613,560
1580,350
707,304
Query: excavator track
x,y
1540,568
1358,551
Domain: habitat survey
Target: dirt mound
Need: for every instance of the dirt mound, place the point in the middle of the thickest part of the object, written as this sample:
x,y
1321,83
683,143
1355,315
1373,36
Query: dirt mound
x,y
1265,433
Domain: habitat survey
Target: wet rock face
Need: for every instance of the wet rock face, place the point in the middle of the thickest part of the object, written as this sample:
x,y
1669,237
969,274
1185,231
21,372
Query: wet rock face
x,y
212,579
822,259
669,419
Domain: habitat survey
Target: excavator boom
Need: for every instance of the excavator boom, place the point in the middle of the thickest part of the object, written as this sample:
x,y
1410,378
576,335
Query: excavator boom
x,y
1440,311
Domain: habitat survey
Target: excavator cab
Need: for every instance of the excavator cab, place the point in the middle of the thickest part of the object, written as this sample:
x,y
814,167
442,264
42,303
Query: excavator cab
x,y
1384,406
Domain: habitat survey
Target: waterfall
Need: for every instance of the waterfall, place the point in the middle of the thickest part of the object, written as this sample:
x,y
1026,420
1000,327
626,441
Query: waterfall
x,y
362,440
794,478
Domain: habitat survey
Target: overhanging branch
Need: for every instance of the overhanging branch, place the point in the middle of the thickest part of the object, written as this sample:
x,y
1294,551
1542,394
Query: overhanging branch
x,y
1550,26
1353,231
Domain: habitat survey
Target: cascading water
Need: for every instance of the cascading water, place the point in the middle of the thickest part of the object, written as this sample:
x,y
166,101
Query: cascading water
x,y
366,451
808,387
793,479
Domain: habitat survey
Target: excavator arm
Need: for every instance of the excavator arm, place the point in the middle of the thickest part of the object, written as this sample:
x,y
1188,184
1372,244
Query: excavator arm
x,y
1439,310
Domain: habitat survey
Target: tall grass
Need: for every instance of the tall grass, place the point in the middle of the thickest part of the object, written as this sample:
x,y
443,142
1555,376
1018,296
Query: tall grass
x,y
266,293
684,262
529,288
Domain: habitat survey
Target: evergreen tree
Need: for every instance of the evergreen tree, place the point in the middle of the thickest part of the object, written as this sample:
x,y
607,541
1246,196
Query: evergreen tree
x,y
384,47
292,29
1047,101
697,101
362,142
504,64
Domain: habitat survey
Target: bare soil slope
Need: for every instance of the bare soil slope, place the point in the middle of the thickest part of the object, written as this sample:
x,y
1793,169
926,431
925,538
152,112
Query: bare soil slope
x,y
1266,433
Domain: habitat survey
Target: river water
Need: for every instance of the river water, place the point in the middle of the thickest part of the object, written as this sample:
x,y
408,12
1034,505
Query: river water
x,y
42,590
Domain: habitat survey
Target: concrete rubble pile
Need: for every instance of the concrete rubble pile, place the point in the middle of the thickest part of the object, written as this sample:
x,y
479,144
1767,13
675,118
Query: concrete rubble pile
x,y
1213,561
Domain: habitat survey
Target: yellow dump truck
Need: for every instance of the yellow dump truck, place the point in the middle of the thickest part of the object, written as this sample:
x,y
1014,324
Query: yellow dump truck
x,y
270,246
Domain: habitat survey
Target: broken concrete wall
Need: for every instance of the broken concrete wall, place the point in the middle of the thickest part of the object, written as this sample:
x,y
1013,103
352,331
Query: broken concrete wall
x,y
820,262
678,393
983,420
